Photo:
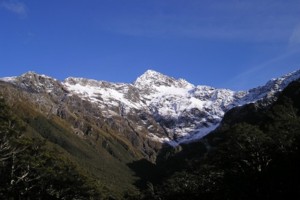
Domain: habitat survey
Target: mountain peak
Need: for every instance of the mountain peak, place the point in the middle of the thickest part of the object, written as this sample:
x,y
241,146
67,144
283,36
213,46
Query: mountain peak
x,y
34,75
28,76
153,78
35,82
184,111
29,73
151,72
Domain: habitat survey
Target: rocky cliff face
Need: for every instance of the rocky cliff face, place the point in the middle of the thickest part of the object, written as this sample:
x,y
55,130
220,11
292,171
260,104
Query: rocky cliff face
x,y
155,109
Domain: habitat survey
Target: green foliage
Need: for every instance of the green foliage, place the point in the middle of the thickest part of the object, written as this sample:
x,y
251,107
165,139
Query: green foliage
x,y
29,170
254,155
102,155
246,149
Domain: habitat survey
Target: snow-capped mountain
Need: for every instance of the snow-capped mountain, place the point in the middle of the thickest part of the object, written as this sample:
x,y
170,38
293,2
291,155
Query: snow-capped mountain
x,y
161,108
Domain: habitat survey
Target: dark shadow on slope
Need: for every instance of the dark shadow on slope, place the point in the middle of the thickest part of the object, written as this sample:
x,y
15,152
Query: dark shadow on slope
x,y
169,160
214,166
145,171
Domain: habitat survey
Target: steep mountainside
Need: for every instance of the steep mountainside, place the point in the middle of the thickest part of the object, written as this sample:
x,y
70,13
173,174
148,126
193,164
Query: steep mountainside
x,y
105,127
36,168
98,150
253,154
157,108
170,110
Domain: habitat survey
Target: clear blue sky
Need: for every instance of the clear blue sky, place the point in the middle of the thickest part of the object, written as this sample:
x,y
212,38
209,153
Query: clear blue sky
x,y
236,44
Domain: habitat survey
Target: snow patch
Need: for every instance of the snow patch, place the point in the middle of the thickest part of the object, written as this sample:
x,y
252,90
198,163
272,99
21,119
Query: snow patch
x,y
199,134
189,112
9,79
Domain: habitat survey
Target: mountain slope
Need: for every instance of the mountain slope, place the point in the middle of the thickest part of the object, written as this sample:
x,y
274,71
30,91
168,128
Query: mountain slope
x,y
177,110
98,151
105,127
32,168
254,154
159,108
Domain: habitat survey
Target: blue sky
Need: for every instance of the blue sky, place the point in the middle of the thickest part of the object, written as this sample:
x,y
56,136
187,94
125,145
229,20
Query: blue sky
x,y
234,44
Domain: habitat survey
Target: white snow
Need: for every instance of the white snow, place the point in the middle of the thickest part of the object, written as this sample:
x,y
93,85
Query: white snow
x,y
197,110
105,97
199,134
8,79
159,139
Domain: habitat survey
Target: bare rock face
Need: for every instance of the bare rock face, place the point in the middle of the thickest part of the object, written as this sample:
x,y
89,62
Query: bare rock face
x,y
154,110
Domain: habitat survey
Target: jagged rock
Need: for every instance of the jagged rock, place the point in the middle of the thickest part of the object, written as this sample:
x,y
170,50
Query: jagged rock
x,y
155,109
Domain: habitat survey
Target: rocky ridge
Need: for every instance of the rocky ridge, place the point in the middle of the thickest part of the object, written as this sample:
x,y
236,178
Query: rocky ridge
x,y
159,108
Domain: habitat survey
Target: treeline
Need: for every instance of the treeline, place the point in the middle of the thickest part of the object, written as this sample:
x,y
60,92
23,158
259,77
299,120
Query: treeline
x,y
254,155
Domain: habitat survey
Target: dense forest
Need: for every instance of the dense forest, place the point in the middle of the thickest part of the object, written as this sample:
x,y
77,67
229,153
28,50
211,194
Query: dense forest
x,y
44,152
254,154
30,169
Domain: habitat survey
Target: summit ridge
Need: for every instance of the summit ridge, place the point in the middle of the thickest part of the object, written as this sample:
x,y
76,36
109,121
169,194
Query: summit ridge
x,y
162,108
